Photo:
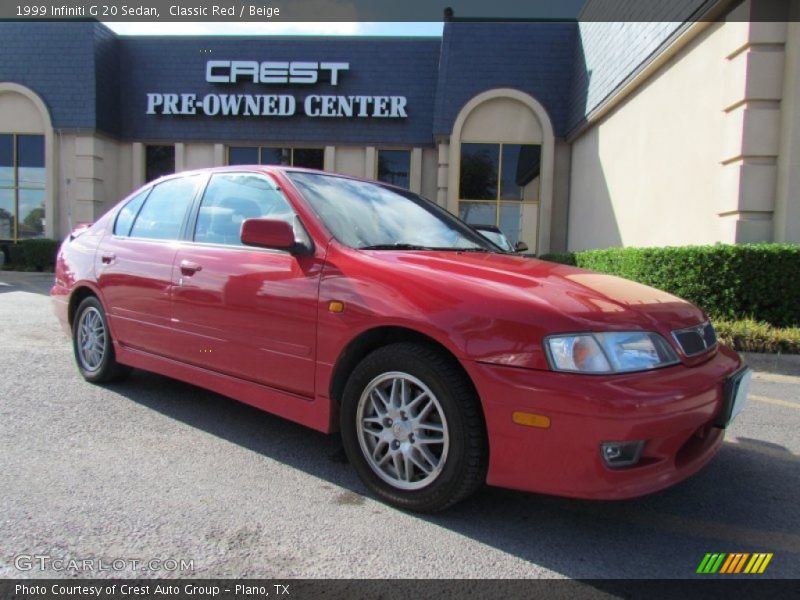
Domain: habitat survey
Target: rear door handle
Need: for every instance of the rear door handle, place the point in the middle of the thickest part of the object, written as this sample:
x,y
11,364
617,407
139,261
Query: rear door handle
x,y
108,257
189,268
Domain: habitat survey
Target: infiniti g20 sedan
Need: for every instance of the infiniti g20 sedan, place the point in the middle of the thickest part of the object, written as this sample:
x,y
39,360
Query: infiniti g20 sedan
x,y
348,305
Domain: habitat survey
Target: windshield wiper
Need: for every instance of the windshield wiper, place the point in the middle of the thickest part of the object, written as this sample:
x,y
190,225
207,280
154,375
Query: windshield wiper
x,y
400,246
396,247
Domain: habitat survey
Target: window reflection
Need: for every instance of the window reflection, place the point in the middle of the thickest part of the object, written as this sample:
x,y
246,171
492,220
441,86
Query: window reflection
x,y
7,212
163,212
310,158
479,169
160,161
478,213
499,185
30,150
518,218
275,156
31,213
394,167
22,183
128,213
229,199
520,167
242,155
362,214
6,159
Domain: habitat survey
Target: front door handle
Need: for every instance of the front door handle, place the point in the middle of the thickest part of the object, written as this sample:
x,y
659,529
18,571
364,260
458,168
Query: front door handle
x,y
107,258
189,268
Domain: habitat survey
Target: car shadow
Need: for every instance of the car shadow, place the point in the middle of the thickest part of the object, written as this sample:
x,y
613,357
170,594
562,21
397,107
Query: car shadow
x,y
744,501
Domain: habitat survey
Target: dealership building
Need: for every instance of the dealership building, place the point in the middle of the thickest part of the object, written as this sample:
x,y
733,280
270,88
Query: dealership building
x,y
568,135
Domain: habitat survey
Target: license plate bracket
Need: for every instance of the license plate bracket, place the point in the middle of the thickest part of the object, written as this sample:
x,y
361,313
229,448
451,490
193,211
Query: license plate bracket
x,y
735,392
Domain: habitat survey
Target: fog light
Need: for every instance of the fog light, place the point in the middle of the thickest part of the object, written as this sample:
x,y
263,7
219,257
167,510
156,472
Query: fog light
x,y
621,454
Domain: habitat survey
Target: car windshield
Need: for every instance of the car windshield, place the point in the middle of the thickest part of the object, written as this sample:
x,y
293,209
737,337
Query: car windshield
x,y
366,215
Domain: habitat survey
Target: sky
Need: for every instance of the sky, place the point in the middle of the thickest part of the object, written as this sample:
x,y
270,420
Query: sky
x,y
279,28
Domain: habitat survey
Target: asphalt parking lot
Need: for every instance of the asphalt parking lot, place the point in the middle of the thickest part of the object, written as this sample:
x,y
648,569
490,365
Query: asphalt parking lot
x,y
156,469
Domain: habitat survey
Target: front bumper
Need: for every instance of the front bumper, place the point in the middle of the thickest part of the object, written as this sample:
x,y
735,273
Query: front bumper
x,y
672,409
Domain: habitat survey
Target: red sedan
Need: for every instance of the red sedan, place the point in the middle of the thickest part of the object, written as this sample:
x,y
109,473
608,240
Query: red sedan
x,y
350,305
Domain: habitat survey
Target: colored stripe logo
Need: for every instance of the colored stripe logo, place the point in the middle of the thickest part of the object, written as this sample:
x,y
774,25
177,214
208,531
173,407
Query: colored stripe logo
x,y
733,563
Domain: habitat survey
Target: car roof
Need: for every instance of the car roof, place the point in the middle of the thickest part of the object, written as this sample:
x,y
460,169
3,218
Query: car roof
x,y
269,169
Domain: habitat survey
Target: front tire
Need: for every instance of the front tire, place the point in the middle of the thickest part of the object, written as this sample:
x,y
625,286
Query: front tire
x,y
92,345
413,429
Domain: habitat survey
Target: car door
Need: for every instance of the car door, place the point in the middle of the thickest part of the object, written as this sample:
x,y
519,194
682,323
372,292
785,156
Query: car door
x,y
134,264
246,312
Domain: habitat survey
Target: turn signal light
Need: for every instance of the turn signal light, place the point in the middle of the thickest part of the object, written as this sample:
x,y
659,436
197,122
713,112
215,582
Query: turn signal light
x,y
531,420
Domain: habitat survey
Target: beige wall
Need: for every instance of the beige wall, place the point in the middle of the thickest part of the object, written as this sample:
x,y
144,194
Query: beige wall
x,y
19,114
198,156
561,178
430,167
689,156
648,174
787,203
350,161
502,119
95,173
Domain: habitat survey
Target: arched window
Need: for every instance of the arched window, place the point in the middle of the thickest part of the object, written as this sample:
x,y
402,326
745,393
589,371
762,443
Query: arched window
x,y
25,198
501,163
22,182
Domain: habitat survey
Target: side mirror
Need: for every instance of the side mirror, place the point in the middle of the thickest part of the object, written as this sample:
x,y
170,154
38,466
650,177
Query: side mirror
x,y
521,247
270,233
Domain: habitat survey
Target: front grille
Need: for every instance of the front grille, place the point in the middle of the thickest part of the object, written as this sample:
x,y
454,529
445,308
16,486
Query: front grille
x,y
697,339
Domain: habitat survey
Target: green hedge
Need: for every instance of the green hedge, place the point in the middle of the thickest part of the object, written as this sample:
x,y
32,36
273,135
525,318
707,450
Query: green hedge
x,y
38,254
752,336
565,258
756,281
16,255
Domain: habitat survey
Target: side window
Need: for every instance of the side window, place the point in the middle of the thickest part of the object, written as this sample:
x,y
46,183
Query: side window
x,y
229,199
128,213
162,215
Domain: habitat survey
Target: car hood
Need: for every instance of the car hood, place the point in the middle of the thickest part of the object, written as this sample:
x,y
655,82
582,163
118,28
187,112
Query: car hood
x,y
571,298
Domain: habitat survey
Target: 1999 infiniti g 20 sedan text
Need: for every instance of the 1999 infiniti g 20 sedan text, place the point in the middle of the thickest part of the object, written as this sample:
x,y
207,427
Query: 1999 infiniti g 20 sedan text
x,y
349,305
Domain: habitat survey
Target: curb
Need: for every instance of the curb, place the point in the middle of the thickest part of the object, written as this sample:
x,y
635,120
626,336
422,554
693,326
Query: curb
x,y
784,364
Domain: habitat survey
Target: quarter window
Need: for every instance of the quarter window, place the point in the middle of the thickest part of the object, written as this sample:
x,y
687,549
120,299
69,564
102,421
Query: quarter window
x,y
128,214
231,198
162,215
22,181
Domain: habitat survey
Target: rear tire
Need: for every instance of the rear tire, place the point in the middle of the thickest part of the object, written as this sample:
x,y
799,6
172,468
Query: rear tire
x,y
413,429
92,344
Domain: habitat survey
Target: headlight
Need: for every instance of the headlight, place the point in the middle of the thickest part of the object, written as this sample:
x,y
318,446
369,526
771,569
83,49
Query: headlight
x,y
619,352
